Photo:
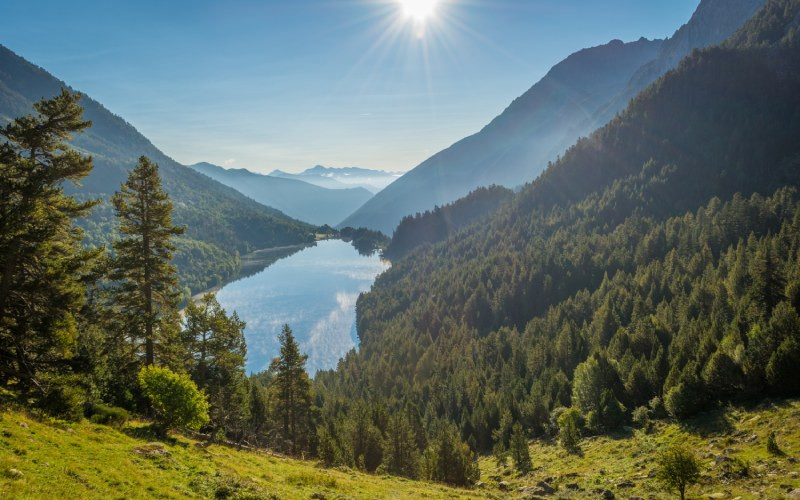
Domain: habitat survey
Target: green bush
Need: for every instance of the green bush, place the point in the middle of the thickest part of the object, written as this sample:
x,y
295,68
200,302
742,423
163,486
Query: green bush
x,y
176,400
772,445
327,450
107,415
683,400
449,460
64,400
734,468
570,423
641,418
593,422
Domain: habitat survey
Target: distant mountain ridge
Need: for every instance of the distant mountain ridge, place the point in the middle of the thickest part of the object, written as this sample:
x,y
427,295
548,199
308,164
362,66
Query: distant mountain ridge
x,y
221,222
577,96
302,200
342,177
711,24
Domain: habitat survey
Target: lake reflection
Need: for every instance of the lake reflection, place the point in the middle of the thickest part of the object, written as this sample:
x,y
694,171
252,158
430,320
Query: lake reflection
x,y
315,292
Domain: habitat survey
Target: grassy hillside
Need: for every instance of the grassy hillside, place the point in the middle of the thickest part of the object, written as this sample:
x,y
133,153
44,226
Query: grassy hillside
x,y
84,460
730,443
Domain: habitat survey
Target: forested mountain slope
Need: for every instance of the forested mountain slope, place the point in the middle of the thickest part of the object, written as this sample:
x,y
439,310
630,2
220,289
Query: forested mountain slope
x,y
221,222
577,96
302,200
711,24
656,259
437,224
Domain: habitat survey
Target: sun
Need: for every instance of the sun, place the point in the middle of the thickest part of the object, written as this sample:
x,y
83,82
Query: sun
x,y
419,10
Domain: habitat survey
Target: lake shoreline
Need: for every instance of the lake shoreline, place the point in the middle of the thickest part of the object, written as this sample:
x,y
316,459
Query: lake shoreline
x,y
313,289
256,258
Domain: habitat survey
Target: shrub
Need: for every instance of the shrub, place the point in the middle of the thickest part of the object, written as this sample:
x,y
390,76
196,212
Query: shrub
x,y
641,418
569,429
327,450
683,400
64,399
554,416
734,468
176,400
678,468
519,450
656,406
449,460
772,445
106,415
593,422
500,454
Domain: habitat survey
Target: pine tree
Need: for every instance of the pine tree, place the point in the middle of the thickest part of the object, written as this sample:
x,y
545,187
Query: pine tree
x,y
217,347
400,453
147,290
258,415
292,394
364,438
449,460
43,270
519,450
768,283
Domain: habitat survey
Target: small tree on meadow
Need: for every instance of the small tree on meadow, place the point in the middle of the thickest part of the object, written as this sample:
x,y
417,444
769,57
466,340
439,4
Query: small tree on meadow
x,y
519,450
176,400
569,429
678,469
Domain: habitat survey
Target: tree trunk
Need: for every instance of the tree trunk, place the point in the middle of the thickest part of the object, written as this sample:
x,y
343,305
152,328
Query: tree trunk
x,y
149,356
9,269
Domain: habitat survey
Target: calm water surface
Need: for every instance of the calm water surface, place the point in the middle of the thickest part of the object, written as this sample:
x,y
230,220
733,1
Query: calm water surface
x,y
315,292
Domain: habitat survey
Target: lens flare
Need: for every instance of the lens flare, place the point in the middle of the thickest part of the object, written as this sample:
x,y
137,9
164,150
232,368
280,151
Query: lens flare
x,y
419,10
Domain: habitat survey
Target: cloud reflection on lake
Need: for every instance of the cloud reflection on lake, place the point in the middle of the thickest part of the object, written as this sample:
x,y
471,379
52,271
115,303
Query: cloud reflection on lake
x,y
315,292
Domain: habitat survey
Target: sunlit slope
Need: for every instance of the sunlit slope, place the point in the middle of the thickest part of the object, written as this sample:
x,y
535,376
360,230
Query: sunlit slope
x,y
57,460
729,442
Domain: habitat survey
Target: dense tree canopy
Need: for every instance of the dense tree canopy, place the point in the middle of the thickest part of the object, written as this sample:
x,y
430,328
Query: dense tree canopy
x,y
657,258
43,270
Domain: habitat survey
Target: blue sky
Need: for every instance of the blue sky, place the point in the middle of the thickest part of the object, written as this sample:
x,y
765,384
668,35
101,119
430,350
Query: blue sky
x,y
267,84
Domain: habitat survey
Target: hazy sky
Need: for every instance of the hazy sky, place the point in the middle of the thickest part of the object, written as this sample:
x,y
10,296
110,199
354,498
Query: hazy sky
x,y
268,84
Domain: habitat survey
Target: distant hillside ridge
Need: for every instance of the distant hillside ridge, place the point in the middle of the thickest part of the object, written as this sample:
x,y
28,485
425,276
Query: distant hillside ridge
x,y
221,222
302,200
578,95
343,177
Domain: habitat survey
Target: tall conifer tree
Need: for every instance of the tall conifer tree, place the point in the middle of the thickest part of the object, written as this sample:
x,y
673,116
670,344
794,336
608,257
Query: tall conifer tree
x,y
148,288
293,393
43,270
217,347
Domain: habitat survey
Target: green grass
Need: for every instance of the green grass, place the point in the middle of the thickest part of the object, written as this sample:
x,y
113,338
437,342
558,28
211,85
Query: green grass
x,y
85,460
629,458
